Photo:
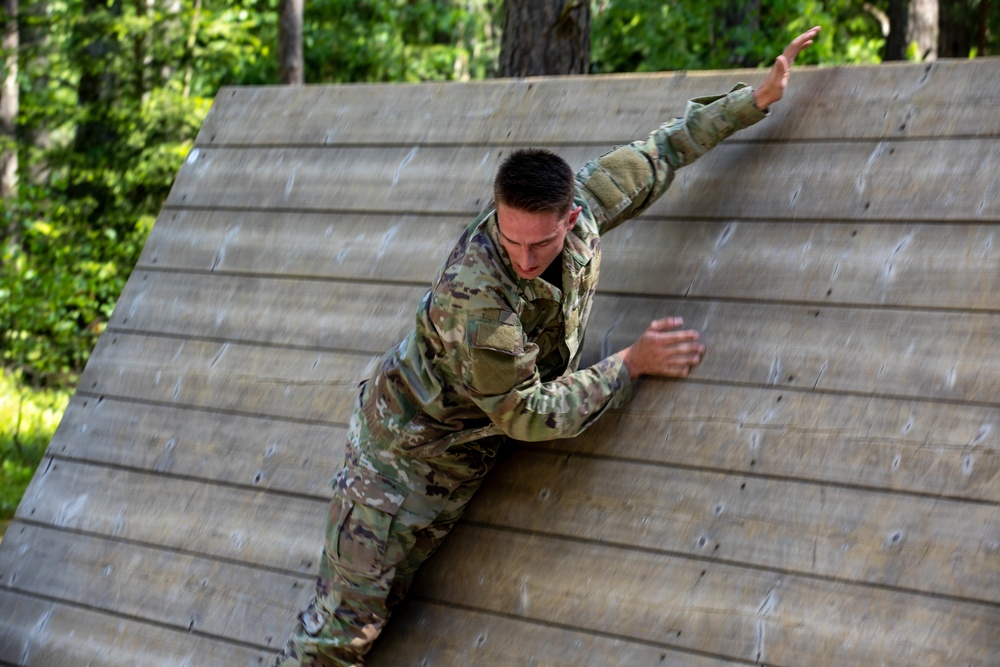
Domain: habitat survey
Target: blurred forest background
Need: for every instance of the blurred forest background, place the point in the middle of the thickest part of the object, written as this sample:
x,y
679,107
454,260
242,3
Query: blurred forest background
x,y
101,101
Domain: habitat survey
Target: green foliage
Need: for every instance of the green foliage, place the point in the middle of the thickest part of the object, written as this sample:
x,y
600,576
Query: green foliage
x,y
28,419
389,40
645,35
118,97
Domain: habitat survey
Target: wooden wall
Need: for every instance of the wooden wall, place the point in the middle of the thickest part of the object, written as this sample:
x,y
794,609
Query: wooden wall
x,y
823,491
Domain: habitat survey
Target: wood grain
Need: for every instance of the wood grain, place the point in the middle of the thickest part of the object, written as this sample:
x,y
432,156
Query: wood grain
x,y
256,452
40,633
199,518
304,313
923,447
869,181
898,353
296,384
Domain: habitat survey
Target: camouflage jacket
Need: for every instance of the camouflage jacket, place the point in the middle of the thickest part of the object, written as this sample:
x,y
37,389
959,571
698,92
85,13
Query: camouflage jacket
x,y
491,353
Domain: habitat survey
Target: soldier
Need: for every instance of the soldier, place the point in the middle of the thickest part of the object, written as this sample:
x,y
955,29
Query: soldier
x,y
494,354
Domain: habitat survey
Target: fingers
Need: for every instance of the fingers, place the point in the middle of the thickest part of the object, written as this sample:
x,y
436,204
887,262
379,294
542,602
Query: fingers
x,y
665,324
799,43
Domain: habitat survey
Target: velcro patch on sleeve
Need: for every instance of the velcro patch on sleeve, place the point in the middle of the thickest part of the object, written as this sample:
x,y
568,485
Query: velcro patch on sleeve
x,y
621,175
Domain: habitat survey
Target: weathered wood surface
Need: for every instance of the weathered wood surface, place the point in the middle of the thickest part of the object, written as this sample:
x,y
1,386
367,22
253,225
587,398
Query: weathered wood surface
x,y
744,614
946,99
825,489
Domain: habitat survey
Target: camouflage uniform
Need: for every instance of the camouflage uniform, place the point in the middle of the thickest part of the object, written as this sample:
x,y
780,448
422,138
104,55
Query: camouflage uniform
x,y
491,356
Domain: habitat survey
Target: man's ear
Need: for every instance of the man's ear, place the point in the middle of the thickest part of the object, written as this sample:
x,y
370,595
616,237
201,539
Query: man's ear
x,y
573,215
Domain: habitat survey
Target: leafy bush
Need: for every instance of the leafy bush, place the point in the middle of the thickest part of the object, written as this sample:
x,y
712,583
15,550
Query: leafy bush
x,y
28,419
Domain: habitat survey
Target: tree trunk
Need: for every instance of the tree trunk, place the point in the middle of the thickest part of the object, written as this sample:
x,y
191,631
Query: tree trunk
x,y
290,42
9,105
543,37
912,22
740,20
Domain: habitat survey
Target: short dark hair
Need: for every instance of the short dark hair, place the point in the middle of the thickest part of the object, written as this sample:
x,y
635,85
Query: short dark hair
x,y
534,180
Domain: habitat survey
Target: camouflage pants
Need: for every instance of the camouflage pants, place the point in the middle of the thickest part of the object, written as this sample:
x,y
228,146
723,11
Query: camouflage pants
x,y
387,516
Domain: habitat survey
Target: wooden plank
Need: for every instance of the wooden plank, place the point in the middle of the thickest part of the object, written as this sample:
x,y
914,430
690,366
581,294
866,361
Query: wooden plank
x,y
308,313
736,613
238,524
952,266
425,633
939,547
937,449
276,382
951,98
892,181
261,452
902,353
920,265
39,633
400,247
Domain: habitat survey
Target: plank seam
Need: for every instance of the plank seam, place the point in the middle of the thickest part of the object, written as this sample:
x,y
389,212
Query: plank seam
x,y
471,214
311,578
371,354
678,296
549,450
645,217
203,481
502,143
205,409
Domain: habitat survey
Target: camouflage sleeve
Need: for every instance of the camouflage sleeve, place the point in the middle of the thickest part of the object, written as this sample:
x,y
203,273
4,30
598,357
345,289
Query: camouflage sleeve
x,y
624,182
496,369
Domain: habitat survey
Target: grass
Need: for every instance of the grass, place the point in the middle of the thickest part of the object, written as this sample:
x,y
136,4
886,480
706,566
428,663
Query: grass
x,y
28,419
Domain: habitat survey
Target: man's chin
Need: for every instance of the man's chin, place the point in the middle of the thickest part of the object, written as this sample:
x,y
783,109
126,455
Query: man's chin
x,y
530,275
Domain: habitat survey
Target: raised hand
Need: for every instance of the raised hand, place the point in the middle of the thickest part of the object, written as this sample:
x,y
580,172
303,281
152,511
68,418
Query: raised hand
x,y
773,88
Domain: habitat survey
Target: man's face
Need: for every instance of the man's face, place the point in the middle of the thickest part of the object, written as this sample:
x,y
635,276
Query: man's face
x,y
533,240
